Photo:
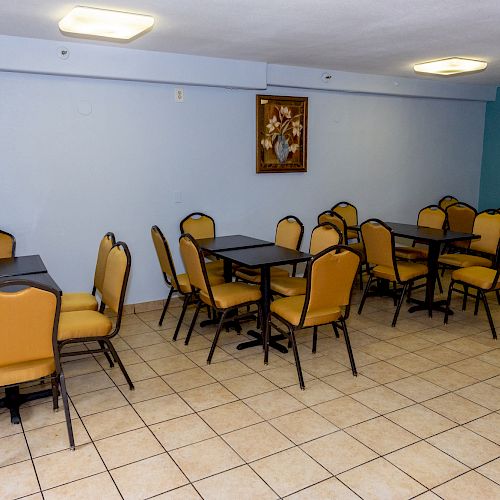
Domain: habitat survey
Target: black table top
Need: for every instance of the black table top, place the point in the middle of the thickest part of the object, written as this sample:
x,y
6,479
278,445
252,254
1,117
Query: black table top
x,y
18,266
270,255
232,242
41,278
427,233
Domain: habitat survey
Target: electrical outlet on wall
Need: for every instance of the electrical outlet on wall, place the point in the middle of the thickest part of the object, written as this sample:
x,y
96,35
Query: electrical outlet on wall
x,y
179,94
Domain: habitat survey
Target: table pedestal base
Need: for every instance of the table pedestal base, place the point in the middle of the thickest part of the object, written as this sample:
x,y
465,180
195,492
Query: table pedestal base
x,y
13,400
259,341
421,305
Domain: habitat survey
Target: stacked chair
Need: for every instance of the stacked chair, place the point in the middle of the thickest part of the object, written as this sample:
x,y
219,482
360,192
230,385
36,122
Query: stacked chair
x,y
380,249
176,282
7,245
330,276
223,298
29,321
350,214
95,326
460,217
446,201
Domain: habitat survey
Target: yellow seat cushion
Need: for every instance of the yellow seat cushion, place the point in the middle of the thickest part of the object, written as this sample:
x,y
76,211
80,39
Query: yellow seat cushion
x,y
359,247
184,285
407,271
216,267
290,309
412,253
464,260
232,294
352,234
79,324
78,301
481,277
26,371
289,286
253,276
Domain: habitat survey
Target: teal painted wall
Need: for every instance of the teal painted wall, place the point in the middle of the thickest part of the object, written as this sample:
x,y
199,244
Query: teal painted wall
x,y
489,194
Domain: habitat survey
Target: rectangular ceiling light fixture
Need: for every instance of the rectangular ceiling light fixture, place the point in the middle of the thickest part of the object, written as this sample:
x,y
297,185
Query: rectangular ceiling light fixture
x,y
105,23
450,66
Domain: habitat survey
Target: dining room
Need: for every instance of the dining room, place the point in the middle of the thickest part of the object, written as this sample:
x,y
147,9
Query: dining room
x,y
249,252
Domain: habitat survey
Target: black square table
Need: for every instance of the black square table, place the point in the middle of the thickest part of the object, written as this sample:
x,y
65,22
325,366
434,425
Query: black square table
x,y
434,238
17,266
263,257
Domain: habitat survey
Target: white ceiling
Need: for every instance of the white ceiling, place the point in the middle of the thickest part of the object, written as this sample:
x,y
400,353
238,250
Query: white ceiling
x,y
366,36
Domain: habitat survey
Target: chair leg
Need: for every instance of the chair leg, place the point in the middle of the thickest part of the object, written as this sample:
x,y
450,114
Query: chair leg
x,y
448,301
193,322
181,317
398,308
498,296
349,348
64,395
476,305
297,359
55,392
108,357
315,339
466,296
439,283
408,294
365,293
361,277
488,314
216,337
395,291
335,330
111,347
165,307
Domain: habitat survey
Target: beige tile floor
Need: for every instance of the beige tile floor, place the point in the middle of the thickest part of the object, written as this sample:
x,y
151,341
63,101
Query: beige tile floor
x,y
422,417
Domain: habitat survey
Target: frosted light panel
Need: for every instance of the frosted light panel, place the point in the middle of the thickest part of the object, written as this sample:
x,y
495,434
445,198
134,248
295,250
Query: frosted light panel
x,y
105,23
450,66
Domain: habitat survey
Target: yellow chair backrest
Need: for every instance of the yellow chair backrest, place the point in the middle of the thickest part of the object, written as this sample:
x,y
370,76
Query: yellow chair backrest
x,y
446,201
26,325
336,220
7,245
348,211
431,216
324,236
116,277
105,246
461,217
378,241
486,225
331,275
164,255
289,231
199,226
194,263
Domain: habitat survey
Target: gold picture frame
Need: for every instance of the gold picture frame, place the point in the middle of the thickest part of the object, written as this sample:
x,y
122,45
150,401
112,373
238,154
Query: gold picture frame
x,y
281,134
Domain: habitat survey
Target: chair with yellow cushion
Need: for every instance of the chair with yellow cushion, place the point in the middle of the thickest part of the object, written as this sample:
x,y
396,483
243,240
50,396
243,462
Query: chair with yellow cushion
x,y
95,326
29,317
7,245
176,282
83,301
340,223
431,216
222,298
350,214
481,252
289,233
446,201
323,236
380,249
460,217
201,226
481,279
330,276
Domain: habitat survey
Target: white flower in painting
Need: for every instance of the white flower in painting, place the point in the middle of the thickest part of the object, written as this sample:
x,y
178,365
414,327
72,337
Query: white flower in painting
x,y
297,127
284,111
266,144
294,148
273,124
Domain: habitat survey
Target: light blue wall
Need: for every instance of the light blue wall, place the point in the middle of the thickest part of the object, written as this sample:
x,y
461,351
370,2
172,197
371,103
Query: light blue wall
x,y
489,196
66,177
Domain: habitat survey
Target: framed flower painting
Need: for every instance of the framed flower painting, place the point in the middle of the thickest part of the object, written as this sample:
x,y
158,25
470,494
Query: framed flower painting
x,y
281,134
